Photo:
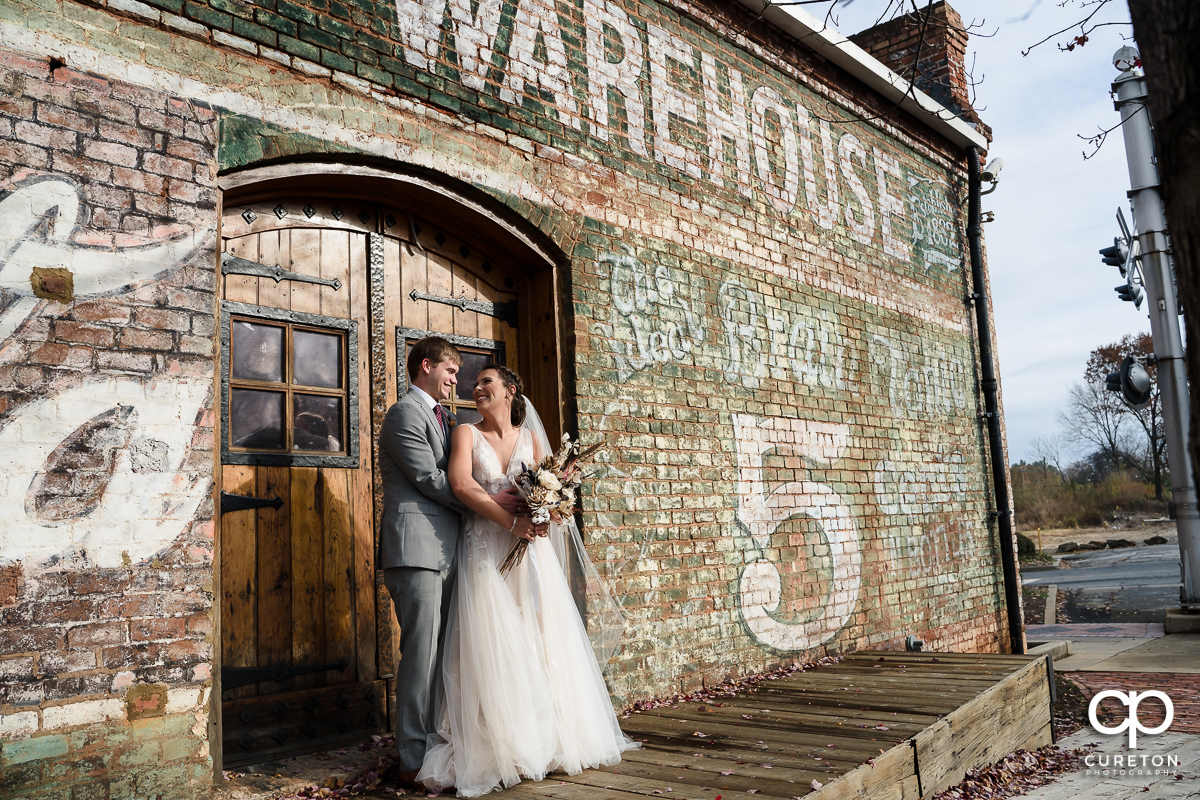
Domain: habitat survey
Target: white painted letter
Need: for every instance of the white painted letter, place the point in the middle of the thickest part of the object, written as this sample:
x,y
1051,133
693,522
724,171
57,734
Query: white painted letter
x,y
722,126
621,76
848,148
825,214
763,508
526,74
889,204
767,99
420,24
668,99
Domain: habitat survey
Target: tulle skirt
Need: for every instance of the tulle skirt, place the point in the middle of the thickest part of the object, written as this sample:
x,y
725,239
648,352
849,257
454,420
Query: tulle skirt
x,y
523,694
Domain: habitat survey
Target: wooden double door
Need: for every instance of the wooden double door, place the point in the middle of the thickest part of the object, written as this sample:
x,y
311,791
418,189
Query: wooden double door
x,y
320,298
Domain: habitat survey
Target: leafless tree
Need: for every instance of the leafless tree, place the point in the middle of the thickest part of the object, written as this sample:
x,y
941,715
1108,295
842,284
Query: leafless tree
x,y
1096,419
1052,451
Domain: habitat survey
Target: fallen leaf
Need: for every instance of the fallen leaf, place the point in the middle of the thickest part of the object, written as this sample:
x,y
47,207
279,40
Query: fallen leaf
x,y
701,735
726,772
752,791
816,784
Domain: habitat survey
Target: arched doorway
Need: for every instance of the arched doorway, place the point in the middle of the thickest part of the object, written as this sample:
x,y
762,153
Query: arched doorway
x,y
328,273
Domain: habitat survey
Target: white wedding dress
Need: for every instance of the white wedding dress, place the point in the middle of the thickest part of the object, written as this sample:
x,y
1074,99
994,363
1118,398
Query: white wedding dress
x,y
523,693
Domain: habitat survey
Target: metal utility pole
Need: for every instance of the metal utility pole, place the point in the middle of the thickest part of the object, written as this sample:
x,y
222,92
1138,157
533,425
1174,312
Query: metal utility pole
x,y
1151,225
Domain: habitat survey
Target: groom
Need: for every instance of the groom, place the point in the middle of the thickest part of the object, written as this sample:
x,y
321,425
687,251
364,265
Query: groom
x,y
419,535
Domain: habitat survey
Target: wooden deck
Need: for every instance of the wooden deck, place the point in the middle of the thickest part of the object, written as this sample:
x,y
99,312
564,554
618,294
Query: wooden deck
x,y
879,725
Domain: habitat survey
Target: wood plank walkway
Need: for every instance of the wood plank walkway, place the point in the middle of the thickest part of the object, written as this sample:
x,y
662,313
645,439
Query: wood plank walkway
x,y
879,725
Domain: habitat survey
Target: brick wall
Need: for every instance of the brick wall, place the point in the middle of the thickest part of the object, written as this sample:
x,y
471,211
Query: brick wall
x,y
928,47
107,213
763,308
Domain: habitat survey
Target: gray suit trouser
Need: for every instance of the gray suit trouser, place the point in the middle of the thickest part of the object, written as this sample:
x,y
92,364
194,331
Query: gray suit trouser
x,y
422,600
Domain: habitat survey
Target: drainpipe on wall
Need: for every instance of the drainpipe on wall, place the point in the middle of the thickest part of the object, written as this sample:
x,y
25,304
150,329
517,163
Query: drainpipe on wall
x,y
991,405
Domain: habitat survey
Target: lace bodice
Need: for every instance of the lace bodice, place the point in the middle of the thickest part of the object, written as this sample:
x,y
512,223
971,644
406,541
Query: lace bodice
x,y
485,464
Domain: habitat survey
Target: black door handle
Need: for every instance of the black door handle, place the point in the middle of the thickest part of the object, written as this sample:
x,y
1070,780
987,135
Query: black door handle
x,y
240,502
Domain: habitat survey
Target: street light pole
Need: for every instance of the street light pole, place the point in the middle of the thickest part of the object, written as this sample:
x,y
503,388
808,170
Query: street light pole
x,y
1151,225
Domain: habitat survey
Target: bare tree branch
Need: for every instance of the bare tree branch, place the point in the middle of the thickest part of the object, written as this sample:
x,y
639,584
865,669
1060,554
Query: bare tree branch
x,y
1084,30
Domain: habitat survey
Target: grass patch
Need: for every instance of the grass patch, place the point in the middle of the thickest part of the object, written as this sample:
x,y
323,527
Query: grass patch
x,y
1047,501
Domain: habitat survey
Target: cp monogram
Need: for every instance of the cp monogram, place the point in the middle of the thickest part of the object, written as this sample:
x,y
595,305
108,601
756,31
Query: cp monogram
x,y
1131,699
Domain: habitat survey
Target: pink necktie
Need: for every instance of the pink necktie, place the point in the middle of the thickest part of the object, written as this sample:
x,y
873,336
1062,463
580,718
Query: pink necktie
x,y
441,418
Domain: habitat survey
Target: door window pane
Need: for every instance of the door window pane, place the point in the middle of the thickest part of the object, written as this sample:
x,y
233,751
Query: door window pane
x,y
317,359
473,363
289,391
256,419
476,355
257,351
317,424
467,416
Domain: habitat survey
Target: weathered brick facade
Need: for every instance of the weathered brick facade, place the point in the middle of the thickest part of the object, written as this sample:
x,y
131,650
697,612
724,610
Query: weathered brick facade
x,y
762,308
107,426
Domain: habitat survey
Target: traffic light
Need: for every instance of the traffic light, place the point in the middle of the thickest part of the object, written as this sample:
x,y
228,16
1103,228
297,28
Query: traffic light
x,y
1130,291
1116,255
1124,255
1132,381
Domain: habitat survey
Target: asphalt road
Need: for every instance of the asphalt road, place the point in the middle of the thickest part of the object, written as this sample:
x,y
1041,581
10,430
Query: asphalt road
x,y
1132,584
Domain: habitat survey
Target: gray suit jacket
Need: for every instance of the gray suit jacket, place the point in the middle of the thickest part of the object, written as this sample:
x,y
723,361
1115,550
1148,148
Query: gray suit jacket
x,y
420,512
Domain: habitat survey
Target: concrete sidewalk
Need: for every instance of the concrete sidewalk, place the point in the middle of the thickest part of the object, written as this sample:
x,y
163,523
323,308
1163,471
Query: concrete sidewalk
x,y
1130,657
1177,776
1115,647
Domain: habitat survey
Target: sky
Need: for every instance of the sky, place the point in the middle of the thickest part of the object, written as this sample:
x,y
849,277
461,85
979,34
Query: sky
x,y
1053,298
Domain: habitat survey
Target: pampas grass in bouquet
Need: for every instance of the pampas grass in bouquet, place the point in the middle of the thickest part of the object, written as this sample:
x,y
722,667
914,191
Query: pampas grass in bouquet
x,y
551,488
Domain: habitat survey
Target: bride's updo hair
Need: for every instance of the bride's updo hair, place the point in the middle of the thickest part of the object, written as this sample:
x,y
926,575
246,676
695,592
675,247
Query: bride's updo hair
x,y
510,378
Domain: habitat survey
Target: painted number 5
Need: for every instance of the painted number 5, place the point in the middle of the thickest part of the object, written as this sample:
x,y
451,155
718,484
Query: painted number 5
x,y
760,587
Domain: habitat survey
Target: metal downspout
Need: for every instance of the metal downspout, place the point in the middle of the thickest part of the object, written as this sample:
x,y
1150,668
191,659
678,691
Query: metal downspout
x,y
1003,512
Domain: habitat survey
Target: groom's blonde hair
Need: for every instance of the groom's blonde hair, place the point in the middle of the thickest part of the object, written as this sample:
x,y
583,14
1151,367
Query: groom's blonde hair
x,y
436,349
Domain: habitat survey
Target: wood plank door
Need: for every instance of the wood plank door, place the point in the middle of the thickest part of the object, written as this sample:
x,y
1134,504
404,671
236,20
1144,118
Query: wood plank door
x,y
299,643
439,284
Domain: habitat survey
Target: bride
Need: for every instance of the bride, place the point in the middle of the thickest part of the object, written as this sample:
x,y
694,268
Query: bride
x,y
523,692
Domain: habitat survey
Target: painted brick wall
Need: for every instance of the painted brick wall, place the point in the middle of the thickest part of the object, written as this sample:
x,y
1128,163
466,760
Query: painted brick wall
x,y
107,213
764,306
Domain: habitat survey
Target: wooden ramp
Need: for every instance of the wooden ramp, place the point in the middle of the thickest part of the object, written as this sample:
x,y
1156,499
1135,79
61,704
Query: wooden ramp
x,y
879,725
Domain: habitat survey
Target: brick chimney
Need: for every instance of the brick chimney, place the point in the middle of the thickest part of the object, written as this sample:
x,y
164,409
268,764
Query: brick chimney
x,y
940,56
